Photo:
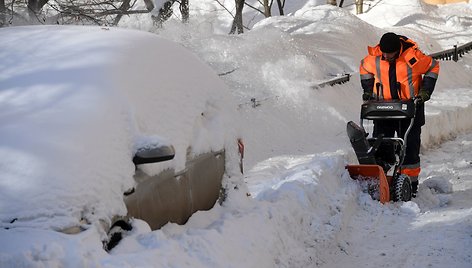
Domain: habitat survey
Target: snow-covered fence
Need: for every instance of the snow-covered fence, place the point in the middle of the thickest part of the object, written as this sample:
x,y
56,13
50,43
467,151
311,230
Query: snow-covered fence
x,y
339,80
453,53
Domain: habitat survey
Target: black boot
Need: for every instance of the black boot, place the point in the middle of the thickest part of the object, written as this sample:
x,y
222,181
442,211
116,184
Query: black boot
x,y
414,188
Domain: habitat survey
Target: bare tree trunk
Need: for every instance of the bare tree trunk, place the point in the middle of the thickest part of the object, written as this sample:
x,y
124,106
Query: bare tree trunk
x,y
3,11
238,18
34,6
184,10
267,12
165,12
281,5
149,5
359,6
331,2
124,7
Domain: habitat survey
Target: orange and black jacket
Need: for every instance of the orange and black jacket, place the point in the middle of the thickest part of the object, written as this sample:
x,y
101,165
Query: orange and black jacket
x,y
402,79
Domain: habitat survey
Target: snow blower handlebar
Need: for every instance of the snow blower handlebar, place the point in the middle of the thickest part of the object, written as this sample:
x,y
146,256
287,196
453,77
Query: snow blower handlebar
x,y
405,138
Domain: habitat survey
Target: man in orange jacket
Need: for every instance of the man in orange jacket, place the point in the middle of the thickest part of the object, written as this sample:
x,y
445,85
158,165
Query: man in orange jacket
x,y
399,70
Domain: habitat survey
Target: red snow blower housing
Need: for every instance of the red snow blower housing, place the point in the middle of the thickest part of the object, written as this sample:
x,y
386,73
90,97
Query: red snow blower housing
x,y
380,158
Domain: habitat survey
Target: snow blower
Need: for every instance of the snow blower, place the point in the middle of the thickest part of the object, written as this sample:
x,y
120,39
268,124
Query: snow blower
x,y
380,158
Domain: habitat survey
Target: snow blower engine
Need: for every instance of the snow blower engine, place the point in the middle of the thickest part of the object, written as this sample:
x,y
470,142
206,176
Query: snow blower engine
x,y
380,158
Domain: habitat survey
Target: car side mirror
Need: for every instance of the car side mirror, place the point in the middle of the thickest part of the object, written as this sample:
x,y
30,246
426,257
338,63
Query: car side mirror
x,y
154,155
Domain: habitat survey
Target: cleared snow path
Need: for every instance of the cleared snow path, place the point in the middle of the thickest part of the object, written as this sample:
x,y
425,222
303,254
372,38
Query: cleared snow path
x,y
431,231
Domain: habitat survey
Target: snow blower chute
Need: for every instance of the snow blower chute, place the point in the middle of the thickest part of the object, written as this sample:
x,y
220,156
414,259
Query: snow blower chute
x,y
380,158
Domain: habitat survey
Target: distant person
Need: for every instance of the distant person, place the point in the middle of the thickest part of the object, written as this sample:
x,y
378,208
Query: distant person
x,y
399,70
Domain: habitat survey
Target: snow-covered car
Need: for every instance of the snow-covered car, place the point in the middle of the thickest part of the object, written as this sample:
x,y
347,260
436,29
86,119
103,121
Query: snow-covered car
x,y
101,125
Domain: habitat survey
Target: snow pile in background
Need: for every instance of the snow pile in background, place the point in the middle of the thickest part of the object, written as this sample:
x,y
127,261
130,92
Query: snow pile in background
x,y
434,23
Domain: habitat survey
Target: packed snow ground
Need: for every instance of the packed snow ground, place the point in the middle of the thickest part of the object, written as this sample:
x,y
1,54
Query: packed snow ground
x,y
297,206
434,230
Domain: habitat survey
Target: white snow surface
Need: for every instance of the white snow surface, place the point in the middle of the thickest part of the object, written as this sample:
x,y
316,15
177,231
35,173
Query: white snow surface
x,y
296,205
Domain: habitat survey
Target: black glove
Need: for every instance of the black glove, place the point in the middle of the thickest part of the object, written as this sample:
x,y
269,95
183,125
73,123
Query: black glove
x,y
423,96
367,96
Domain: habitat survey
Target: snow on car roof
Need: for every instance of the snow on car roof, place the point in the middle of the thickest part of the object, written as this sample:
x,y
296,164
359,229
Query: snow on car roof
x,y
74,103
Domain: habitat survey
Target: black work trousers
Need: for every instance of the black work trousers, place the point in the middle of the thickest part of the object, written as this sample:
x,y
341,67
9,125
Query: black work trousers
x,y
389,127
